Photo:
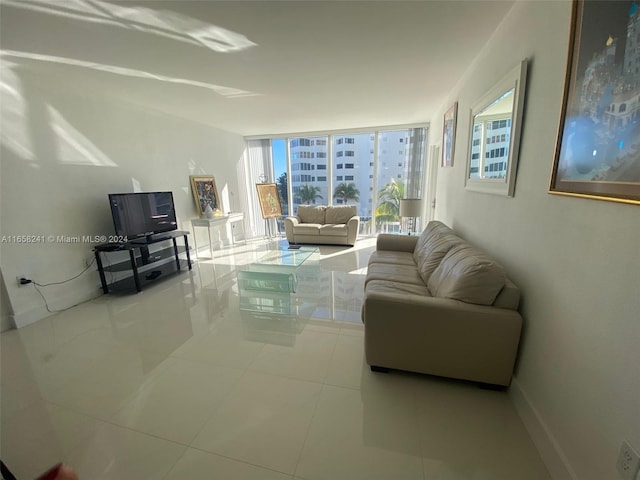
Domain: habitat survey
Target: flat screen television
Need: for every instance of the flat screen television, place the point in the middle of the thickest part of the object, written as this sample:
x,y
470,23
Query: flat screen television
x,y
137,215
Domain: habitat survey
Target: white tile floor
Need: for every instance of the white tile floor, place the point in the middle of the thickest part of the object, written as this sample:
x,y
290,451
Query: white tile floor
x,y
178,383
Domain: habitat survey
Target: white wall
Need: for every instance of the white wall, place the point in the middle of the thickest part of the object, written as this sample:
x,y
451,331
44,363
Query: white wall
x,y
64,148
577,262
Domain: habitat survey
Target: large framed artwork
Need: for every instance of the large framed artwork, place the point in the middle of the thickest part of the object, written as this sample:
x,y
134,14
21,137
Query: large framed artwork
x,y
269,200
598,148
449,135
205,194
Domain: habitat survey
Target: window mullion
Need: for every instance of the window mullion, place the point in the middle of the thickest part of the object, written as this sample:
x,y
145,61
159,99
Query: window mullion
x,y
330,169
289,178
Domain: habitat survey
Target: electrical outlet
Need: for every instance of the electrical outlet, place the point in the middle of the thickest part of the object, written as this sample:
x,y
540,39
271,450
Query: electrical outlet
x,y
628,462
19,280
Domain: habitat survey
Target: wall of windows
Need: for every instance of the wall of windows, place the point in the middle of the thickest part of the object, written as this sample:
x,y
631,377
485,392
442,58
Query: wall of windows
x,y
371,169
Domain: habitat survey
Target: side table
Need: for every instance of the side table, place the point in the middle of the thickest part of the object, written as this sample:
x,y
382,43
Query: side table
x,y
229,222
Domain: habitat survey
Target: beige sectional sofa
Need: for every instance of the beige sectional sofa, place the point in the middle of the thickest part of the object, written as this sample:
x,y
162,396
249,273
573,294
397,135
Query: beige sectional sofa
x,y
318,224
435,304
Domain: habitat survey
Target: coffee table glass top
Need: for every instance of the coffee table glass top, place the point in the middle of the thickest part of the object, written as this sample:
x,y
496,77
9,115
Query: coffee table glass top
x,y
283,257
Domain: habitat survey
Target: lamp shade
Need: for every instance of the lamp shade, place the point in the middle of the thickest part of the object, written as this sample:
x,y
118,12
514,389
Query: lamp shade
x,y
410,207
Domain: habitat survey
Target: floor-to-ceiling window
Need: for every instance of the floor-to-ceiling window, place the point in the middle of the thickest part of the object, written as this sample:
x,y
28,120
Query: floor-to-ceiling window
x,y
372,169
281,177
400,174
258,168
309,170
352,166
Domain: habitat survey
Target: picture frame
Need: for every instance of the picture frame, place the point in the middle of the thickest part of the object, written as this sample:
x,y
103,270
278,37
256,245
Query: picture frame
x,y
269,199
205,193
449,135
598,147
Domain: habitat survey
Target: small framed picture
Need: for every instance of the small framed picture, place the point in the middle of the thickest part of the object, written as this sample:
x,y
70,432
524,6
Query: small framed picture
x,y
449,135
269,200
205,194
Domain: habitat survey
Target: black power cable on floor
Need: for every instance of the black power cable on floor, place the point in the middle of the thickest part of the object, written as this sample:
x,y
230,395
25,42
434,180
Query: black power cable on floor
x,y
68,280
46,304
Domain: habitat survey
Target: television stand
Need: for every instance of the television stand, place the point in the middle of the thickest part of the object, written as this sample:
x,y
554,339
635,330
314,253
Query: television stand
x,y
141,260
147,257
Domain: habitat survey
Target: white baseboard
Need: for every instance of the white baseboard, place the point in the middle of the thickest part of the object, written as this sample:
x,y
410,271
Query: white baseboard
x,y
552,455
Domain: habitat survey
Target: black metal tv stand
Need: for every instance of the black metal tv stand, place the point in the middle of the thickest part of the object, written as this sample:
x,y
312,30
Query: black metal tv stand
x,y
141,260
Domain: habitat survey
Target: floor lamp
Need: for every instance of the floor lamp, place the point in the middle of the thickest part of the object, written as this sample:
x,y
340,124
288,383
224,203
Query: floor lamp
x,y
411,208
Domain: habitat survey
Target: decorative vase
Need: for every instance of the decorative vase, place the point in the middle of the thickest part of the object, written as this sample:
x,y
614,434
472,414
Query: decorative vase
x,y
208,212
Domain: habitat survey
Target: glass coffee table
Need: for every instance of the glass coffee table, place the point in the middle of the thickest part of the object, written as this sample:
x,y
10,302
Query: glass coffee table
x,y
275,271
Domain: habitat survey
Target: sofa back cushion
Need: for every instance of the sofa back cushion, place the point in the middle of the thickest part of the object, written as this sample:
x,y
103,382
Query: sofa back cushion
x,y
432,247
433,253
340,214
311,213
432,227
468,275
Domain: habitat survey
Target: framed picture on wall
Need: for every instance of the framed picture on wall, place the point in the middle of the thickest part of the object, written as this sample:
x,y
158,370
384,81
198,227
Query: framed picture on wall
x,y
205,194
449,135
598,147
269,200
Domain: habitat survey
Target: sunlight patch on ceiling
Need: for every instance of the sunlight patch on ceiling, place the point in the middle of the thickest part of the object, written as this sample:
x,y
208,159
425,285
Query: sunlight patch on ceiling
x,y
228,92
154,22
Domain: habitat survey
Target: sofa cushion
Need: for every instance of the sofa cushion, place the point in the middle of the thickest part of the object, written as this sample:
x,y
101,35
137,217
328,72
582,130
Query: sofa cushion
x,y
386,286
307,229
391,256
340,214
334,230
468,275
311,213
433,251
432,227
394,273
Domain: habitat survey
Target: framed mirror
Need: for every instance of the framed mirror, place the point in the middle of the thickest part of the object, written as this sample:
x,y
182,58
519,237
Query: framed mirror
x,y
494,137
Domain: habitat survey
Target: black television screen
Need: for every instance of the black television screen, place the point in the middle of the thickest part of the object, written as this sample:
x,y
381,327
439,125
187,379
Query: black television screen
x,y
142,214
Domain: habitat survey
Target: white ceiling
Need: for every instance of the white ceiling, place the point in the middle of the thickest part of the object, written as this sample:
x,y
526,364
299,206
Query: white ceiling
x,y
256,67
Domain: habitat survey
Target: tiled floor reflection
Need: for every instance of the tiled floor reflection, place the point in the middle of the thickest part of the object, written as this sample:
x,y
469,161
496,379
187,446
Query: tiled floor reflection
x,y
189,380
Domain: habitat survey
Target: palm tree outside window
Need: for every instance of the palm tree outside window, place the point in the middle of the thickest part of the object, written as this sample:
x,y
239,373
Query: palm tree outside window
x,y
346,191
388,210
308,194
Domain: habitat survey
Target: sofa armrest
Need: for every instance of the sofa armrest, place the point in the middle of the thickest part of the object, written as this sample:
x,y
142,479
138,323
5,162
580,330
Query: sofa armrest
x,y
289,223
400,243
353,227
353,221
